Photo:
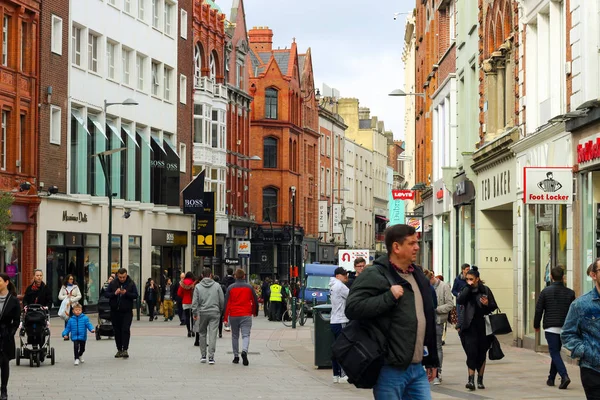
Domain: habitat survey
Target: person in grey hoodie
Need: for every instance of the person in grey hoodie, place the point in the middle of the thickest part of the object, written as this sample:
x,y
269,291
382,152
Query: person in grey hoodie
x,y
207,305
338,292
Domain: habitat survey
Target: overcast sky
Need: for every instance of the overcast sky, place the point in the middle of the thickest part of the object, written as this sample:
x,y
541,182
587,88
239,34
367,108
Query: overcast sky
x,y
356,45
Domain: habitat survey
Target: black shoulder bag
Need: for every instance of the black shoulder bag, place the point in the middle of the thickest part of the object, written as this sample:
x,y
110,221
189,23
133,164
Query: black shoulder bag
x,y
359,352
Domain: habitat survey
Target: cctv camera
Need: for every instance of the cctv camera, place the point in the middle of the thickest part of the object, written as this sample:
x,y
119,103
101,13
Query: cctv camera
x,y
127,214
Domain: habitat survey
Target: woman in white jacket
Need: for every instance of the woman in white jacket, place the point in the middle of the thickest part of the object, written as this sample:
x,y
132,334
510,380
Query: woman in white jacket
x,y
69,290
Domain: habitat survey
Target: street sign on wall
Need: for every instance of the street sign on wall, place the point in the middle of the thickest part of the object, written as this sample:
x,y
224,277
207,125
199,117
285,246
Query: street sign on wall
x,y
347,257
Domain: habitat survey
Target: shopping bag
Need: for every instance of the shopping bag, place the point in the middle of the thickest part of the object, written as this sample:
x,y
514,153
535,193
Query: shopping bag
x,y
65,309
495,352
497,324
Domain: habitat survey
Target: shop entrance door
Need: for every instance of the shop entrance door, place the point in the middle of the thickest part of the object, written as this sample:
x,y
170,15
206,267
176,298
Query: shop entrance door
x,y
75,268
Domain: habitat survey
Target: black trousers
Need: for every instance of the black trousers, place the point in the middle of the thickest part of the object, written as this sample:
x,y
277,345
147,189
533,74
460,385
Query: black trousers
x,y
275,309
4,371
590,379
475,345
121,322
180,311
266,304
78,348
189,321
151,308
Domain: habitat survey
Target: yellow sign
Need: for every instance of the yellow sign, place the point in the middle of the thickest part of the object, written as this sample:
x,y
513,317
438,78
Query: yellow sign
x,y
205,240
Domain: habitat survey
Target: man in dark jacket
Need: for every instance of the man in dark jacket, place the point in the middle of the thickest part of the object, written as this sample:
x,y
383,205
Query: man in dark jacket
x,y
38,292
177,299
405,309
554,303
229,279
461,280
265,293
122,293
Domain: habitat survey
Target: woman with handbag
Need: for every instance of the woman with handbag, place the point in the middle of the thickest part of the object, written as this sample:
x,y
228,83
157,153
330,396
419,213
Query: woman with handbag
x,y
10,312
69,291
478,301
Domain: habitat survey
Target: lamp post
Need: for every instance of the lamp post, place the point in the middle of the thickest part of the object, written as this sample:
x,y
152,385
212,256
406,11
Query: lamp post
x,y
293,189
401,93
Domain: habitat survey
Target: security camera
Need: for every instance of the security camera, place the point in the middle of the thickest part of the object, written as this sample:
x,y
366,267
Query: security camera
x,y
127,213
52,190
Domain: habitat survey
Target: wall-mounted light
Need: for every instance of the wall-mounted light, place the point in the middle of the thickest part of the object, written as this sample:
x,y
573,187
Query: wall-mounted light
x,y
24,186
52,190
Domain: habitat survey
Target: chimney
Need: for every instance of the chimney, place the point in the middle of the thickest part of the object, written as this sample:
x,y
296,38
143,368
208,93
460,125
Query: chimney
x,y
364,113
261,38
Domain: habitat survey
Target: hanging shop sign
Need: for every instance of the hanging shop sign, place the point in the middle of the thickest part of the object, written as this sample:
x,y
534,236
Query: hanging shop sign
x,y
548,185
403,194
323,220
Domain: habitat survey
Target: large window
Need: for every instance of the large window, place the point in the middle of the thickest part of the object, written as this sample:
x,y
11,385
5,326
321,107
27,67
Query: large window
x,y
212,63
155,78
93,52
91,271
10,258
197,64
270,152
126,66
168,18
215,129
92,161
76,44
155,14
168,77
270,204
198,123
271,103
110,58
3,139
5,25
134,268
139,63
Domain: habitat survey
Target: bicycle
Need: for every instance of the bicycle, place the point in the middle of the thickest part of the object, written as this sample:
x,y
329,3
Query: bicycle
x,y
301,317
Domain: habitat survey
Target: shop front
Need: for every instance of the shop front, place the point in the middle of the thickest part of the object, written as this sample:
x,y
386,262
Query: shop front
x,y
236,244
494,221
463,201
72,239
544,189
442,229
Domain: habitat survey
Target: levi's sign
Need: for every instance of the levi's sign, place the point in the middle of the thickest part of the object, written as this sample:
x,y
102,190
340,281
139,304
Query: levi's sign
x,y
548,185
403,194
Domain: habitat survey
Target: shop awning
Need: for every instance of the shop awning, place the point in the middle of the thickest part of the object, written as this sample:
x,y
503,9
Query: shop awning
x,y
141,133
172,147
97,124
129,133
158,143
113,128
77,114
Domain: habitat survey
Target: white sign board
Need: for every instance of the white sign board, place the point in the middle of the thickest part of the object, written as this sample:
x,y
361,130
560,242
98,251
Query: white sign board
x,y
548,185
337,218
243,248
347,257
323,220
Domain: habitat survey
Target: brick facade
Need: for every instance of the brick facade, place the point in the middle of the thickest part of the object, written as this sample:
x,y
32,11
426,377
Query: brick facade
x,y
19,91
185,111
209,32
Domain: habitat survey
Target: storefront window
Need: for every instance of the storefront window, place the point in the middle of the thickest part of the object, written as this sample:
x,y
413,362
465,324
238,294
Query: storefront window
x,y
590,223
115,254
10,258
446,262
91,264
135,260
530,234
156,263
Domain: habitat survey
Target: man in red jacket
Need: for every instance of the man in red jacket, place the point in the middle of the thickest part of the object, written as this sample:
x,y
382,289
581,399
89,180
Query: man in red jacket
x,y
241,304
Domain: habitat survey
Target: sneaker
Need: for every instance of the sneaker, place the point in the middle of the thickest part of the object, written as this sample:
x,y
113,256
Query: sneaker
x,y
203,360
437,381
343,379
564,382
211,361
227,328
125,354
336,379
119,354
81,360
245,358
550,382
439,376
76,363
236,360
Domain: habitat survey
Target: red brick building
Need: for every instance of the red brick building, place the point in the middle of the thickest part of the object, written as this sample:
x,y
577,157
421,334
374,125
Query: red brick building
x,y
19,163
286,141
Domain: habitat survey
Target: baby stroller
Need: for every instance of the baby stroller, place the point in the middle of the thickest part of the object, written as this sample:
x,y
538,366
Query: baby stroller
x,y
104,327
34,336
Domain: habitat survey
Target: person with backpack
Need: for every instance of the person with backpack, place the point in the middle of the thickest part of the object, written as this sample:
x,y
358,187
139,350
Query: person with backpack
x,y
339,293
392,299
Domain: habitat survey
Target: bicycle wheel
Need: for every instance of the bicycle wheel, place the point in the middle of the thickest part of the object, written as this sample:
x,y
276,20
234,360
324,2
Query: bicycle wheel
x,y
287,314
302,316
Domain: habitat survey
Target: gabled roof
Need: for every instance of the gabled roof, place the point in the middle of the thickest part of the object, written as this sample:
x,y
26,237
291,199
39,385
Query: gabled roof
x,y
301,59
260,60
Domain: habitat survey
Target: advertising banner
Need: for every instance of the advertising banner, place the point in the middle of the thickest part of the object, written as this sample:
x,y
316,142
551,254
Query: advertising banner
x,y
337,218
346,258
205,227
323,219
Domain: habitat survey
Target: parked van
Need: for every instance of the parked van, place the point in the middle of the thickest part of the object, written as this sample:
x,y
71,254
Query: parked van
x,y
317,283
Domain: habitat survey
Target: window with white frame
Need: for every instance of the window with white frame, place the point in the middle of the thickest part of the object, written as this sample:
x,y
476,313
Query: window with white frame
x,y
213,67
328,141
183,24
167,76
198,123
112,2
197,64
55,124
76,45
169,18
322,181
111,48
156,14
328,182
126,67
5,30
93,52
56,35
182,89
140,61
127,6
240,74
182,157
3,139
155,78
141,4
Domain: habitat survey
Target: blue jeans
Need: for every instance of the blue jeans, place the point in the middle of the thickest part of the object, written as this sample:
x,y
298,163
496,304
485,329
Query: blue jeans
x,y
398,384
554,346
336,329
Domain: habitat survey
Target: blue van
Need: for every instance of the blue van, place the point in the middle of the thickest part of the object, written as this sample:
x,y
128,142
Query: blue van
x,y
317,283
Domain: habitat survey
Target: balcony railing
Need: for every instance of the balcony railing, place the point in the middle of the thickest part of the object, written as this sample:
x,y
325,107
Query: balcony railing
x,y
206,84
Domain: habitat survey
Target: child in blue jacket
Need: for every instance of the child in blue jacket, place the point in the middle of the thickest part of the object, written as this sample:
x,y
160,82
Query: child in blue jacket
x,y
77,326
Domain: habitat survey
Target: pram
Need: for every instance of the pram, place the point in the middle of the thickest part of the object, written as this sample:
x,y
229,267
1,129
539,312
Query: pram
x,y
34,336
104,327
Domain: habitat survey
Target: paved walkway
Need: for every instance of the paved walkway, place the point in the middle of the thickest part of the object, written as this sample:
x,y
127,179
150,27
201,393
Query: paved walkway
x,y
165,365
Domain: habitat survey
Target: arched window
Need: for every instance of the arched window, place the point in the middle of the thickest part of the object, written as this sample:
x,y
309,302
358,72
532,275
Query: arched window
x,y
271,103
270,204
270,153
197,62
213,67
290,156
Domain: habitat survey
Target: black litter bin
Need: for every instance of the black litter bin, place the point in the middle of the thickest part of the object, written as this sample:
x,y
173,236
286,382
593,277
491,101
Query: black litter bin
x,y
323,336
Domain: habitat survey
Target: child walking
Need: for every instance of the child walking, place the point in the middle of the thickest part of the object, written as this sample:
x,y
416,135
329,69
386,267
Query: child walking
x,y
77,326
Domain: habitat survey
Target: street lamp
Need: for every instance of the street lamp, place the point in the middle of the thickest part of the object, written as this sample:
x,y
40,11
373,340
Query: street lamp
x,y
401,93
293,252
126,102
253,158
315,91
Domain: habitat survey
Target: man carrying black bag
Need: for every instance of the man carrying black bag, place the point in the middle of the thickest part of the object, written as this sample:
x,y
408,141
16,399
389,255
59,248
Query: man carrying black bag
x,y
392,300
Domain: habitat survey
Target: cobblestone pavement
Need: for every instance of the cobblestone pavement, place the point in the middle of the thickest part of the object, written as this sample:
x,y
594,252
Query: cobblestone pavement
x,y
164,364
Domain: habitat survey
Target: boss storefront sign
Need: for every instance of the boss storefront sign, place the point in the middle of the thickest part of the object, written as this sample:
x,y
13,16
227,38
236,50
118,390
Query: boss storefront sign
x,y
548,185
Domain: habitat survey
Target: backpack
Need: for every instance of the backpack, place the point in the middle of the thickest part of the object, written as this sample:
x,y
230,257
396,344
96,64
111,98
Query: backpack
x,y
360,350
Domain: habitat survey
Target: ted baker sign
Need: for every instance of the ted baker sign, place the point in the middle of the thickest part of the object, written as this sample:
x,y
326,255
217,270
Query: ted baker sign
x,y
548,185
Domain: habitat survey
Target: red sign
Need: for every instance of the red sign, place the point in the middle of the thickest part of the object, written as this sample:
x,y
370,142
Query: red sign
x,y
589,151
440,194
403,194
